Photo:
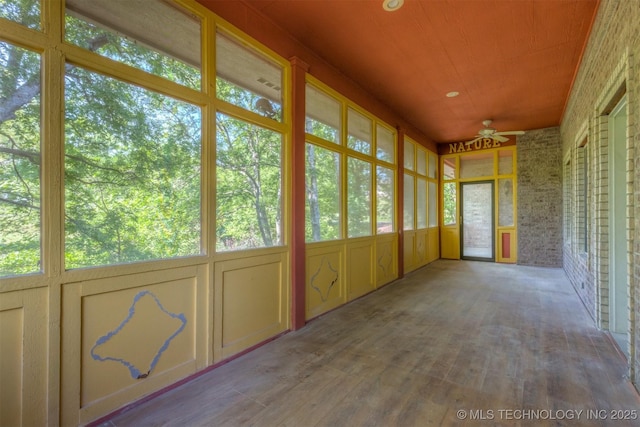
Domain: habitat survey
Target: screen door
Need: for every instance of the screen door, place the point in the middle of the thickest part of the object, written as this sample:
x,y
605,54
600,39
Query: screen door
x,y
477,236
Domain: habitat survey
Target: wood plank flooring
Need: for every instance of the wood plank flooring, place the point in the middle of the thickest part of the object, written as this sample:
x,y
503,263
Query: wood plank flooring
x,y
455,343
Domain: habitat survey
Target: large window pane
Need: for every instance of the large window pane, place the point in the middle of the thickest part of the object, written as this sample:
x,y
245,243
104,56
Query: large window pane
x,y
359,132
19,161
385,185
449,168
409,202
421,204
450,208
248,186
421,161
152,35
476,165
385,144
247,80
409,154
25,12
505,162
322,183
358,197
433,168
323,115
433,205
132,173
505,203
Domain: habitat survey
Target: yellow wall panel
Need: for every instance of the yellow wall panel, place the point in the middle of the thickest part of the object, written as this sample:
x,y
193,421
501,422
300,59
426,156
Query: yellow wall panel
x,y
130,334
421,248
251,301
11,354
23,357
127,336
386,260
433,244
450,242
409,251
360,263
325,284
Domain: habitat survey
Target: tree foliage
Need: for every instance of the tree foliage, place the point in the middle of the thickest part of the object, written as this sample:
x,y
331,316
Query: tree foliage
x,y
323,194
20,160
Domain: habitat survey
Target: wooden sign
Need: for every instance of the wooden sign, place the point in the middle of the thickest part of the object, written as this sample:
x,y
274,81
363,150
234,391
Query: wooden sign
x,y
481,144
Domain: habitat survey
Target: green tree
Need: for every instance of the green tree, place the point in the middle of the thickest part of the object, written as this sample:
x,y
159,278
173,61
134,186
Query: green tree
x,y
248,185
20,161
323,194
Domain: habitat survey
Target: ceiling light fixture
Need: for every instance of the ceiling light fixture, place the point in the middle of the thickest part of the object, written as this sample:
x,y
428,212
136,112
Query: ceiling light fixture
x,y
453,94
392,5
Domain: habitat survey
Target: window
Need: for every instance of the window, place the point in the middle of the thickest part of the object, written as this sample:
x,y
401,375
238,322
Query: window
x,y
359,138
421,203
322,216
449,199
358,197
323,115
248,148
433,204
339,167
409,201
20,161
433,168
505,162
385,144
409,154
385,198
449,168
476,165
248,185
25,12
153,36
132,172
421,161
505,203
247,80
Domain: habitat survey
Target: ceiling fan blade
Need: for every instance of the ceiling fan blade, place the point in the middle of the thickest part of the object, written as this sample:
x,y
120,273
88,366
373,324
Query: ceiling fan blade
x,y
511,132
474,140
499,138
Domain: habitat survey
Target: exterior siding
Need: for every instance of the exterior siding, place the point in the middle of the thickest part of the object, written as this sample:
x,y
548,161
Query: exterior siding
x,y
608,69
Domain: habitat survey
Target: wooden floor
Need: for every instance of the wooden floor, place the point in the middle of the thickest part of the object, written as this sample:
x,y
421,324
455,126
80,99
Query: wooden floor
x,y
455,343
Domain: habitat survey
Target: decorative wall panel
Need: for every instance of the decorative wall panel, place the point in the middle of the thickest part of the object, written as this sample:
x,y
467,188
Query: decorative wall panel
x,y
325,284
127,336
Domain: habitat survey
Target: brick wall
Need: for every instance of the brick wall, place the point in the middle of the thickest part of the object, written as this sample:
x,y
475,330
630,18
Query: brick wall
x,y
607,71
539,198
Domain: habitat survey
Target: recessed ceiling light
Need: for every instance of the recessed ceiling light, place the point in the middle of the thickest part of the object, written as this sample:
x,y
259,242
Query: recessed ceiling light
x,y
391,5
453,94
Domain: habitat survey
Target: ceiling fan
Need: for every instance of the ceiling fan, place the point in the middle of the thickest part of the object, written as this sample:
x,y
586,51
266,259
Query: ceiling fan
x,y
489,132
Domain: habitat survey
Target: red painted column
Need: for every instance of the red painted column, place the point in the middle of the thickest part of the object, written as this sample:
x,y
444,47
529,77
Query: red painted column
x,y
298,78
400,193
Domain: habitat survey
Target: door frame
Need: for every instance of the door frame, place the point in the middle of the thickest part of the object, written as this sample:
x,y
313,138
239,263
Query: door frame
x,y
493,220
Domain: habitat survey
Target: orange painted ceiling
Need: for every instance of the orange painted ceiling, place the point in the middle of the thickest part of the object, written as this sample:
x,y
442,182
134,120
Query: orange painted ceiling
x,y
511,61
